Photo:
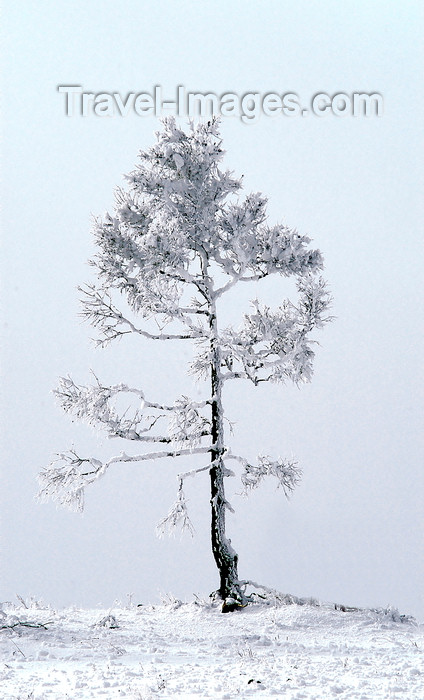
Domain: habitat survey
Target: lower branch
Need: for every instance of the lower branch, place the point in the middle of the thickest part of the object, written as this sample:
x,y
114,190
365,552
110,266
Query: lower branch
x,y
66,483
178,514
35,625
286,471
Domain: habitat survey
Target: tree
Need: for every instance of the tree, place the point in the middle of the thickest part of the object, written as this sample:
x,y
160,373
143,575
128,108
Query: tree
x,y
178,241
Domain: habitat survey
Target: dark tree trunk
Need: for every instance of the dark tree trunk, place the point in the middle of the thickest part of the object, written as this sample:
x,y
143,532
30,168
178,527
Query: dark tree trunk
x,y
225,556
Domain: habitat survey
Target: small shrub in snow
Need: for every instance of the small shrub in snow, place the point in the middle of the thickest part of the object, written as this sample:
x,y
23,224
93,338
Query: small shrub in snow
x,y
109,621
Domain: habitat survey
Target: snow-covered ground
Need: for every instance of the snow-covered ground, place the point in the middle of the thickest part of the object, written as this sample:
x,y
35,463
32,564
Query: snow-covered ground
x,y
195,651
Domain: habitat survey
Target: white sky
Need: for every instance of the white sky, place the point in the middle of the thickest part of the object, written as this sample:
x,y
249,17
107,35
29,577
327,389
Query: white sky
x,y
353,531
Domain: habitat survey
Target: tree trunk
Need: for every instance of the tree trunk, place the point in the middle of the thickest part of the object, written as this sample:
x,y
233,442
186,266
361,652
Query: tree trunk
x,y
225,556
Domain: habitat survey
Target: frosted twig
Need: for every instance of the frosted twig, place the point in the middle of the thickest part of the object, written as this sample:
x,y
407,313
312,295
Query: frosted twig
x,y
286,471
99,310
93,404
66,483
177,515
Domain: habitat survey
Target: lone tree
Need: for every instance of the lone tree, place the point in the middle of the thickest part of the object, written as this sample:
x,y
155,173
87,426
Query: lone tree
x,y
177,242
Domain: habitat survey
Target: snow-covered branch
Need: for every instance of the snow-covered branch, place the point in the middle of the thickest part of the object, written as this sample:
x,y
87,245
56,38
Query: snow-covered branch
x,y
177,515
286,471
99,310
93,404
65,479
66,483
274,344
187,423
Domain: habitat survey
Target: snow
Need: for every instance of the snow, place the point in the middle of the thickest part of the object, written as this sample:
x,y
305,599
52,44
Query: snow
x,y
193,650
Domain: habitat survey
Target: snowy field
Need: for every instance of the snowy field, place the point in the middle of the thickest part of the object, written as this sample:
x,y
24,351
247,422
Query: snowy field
x,y
177,650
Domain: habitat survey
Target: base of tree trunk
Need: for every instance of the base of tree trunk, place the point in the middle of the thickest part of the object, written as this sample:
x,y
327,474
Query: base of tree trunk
x,y
235,600
231,604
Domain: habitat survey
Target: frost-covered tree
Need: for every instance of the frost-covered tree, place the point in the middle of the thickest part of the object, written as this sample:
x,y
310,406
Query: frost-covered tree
x,y
179,239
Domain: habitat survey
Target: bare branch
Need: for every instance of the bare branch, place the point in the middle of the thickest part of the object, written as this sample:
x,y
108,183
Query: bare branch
x,y
23,623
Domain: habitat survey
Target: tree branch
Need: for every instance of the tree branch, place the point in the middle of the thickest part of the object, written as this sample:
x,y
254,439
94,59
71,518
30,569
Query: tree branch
x,y
93,404
236,375
66,483
104,315
286,471
178,514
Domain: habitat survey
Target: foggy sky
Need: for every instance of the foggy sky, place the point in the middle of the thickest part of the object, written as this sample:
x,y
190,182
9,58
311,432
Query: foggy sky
x,y
353,530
